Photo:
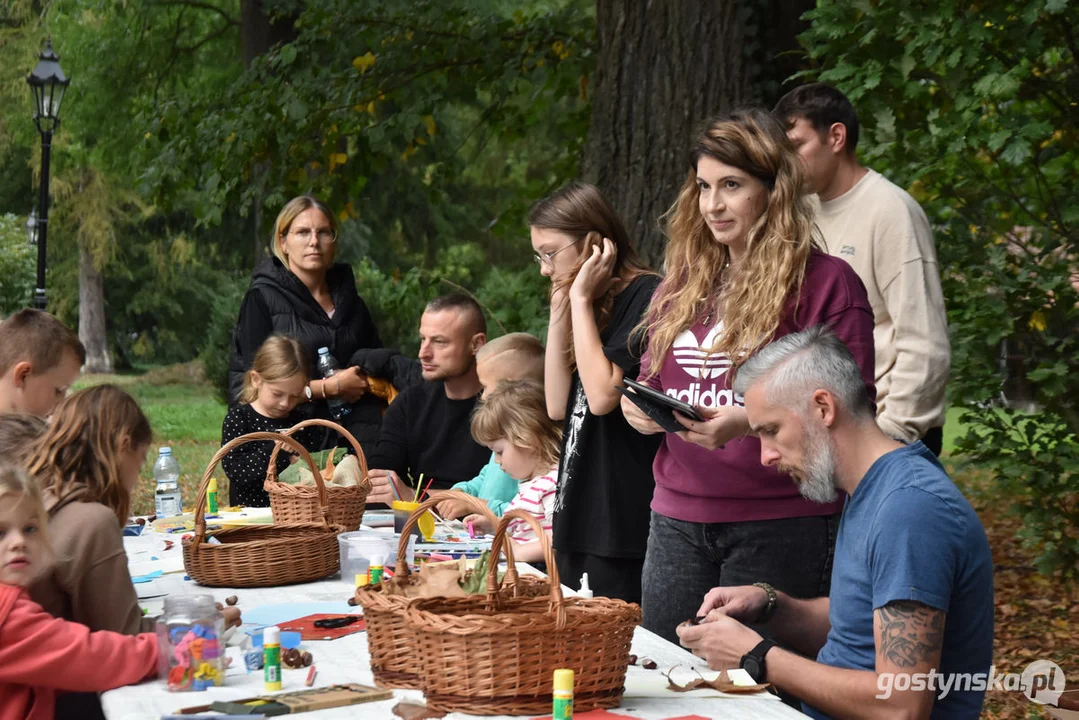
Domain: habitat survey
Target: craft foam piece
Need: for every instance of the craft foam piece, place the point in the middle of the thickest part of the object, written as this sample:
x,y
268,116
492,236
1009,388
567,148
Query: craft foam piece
x,y
596,715
280,614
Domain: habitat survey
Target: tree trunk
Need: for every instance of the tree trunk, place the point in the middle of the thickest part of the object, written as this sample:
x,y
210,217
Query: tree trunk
x,y
258,34
663,68
92,315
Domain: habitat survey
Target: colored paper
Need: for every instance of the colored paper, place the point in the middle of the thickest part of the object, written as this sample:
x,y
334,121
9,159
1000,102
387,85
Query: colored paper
x,y
282,613
306,627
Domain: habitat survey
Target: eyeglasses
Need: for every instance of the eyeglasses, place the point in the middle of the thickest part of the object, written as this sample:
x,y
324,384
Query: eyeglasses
x,y
325,235
549,256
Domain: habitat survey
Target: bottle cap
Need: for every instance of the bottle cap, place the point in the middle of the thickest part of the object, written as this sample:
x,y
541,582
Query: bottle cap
x,y
323,351
164,450
271,636
361,579
585,591
563,680
377,561
212,486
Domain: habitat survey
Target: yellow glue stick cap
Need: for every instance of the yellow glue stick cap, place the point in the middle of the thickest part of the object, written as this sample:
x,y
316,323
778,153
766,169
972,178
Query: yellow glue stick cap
x,y
212,486
563,680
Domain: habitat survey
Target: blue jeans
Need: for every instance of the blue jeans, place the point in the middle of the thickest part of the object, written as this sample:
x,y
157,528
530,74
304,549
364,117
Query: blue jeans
x,y
685,560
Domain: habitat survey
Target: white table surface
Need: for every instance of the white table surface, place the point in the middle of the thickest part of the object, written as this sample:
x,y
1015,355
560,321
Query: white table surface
x,y
345,660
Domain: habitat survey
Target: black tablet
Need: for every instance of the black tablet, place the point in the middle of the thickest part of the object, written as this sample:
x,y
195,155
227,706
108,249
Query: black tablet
x,y
658,406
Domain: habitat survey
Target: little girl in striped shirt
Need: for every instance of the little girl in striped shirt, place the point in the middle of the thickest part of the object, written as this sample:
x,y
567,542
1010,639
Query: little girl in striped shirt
x,y
512,421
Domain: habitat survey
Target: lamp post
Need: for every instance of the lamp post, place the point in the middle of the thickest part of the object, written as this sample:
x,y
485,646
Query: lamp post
x,y
48,83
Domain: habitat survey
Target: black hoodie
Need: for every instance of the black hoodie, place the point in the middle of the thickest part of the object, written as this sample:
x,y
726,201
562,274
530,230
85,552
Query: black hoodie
x,y
278,303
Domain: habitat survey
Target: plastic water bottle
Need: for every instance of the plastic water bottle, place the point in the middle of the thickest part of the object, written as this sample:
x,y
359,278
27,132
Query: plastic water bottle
x,y
327,365
167,474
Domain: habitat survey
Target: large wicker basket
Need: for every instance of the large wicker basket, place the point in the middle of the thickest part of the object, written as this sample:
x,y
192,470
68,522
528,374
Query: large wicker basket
x,y
261,555
300,503
395,662
496,655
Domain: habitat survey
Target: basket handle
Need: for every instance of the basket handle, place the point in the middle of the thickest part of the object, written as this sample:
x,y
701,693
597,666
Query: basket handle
x,y
200,504
271,472
402,570
503,544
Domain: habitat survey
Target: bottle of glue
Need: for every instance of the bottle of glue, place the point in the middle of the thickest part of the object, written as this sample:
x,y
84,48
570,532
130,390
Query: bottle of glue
x,y
211,496
585,591
271,657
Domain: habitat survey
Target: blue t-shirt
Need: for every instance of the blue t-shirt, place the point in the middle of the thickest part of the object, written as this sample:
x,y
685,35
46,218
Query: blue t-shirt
x,y
907,533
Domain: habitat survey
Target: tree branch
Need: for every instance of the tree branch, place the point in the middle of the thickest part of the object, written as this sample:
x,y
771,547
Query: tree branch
x,y
201,6
209,38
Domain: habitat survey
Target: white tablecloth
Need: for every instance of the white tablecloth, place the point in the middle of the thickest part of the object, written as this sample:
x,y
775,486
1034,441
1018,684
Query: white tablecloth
x,y
346,660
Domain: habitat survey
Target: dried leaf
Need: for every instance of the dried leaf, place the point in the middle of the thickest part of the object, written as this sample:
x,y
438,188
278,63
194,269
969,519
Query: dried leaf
x,y
415,711
721,683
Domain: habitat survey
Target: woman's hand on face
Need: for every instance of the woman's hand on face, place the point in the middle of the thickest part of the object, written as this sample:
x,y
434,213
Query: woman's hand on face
x,y
595,276
637,418
719,426
353,384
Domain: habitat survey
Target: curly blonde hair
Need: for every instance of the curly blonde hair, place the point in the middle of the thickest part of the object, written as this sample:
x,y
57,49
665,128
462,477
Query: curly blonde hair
x,y
517,411
751,298
581,211
83,445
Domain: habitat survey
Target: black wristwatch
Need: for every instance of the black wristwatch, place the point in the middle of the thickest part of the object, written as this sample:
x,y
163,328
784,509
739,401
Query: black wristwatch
x,y
753,661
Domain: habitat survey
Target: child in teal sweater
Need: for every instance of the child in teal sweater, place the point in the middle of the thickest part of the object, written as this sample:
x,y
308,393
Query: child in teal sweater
x,y
516,356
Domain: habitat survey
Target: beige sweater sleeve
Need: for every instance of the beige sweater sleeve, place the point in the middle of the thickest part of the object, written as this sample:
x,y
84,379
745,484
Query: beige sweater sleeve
x,y
909,281
95,575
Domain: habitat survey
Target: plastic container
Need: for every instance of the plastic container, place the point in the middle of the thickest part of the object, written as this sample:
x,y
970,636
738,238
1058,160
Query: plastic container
x,y
402,509
287,639
167,500
369,543
327,366
191,654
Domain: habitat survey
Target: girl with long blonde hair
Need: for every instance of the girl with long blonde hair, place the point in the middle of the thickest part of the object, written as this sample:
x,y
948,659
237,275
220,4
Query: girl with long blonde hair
x,y
600,290
742,269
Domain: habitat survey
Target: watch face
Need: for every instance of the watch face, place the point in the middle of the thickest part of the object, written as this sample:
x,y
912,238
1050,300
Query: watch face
x,y
753,667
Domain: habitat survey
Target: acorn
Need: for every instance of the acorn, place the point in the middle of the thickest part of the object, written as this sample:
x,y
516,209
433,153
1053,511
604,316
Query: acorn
x,y
648,664
632,659
231,600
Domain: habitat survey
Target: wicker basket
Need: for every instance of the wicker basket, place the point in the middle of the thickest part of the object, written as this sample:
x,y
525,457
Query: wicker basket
x,y
394,661
496,655
300,503
261,555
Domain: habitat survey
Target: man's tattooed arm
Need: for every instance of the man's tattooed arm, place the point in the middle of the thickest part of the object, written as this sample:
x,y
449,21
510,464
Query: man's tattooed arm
x,y
909,634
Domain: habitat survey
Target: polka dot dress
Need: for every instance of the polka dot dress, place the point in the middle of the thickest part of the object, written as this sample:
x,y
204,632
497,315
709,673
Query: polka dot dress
x,y
246,465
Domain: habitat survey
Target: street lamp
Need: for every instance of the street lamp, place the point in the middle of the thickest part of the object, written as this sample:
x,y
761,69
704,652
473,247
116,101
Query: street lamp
x,y
48,83
31,228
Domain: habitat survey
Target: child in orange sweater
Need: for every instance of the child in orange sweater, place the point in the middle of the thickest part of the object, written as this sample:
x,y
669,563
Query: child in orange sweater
x,y
40,654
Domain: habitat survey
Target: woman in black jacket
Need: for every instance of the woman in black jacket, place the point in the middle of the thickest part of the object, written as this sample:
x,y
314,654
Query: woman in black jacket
x,y
301,293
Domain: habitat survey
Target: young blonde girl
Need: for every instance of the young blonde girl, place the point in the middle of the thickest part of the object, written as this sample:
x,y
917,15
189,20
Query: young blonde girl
x,y
512,421
272,389
41,654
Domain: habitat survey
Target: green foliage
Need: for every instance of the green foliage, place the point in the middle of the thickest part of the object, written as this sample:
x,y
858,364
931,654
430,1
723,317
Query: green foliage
x,y
972,108
216,345
18,265
462,114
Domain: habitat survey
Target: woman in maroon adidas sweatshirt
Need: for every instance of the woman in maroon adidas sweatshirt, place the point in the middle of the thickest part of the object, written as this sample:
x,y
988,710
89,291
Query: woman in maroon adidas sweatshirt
x,y
742,268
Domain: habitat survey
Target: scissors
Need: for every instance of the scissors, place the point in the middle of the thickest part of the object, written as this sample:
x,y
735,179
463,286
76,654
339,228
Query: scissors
x,y
337,622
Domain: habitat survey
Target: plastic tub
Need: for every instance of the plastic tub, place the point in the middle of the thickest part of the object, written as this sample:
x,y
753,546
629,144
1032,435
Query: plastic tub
x,y
369,544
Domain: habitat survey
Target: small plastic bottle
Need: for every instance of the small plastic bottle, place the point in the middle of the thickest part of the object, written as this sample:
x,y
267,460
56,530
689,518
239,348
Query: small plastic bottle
x,y
585,591
563,695
375,573
328,366
271,657
167,501
211,496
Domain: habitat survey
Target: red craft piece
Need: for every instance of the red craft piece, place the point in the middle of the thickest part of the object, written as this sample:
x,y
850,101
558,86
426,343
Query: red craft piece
x,y
306,627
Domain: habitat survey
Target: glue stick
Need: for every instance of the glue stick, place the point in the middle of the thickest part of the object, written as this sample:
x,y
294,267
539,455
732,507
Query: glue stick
x,y
375,571
563,695
211,496
271,657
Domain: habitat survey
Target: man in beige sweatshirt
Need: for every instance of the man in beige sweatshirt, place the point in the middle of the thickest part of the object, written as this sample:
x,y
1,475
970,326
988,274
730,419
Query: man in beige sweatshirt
x,y
884,234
